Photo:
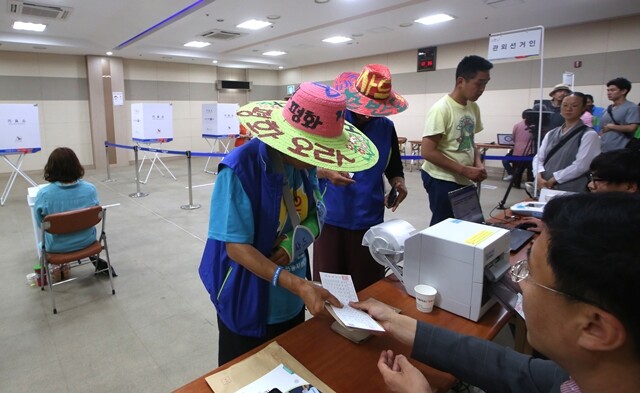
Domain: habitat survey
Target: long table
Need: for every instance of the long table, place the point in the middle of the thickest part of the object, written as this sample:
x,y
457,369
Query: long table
x,y
349,367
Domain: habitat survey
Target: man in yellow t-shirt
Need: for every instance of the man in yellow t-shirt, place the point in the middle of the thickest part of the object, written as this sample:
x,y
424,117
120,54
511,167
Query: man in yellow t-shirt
x,y
451,159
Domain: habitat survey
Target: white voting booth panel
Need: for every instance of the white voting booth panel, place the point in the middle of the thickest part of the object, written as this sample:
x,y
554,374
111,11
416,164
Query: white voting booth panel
x,y
19,135
19,127
220,119
151,121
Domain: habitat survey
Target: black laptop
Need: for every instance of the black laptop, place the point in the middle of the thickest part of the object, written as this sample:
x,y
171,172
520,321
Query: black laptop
x,y
465,204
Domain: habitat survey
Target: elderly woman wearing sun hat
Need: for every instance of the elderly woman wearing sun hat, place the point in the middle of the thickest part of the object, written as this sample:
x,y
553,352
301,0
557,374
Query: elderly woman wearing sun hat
x,y
356,203
266,209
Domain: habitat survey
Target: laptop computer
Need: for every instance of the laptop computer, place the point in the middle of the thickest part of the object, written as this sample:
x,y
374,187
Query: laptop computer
x,y
505,139
465,204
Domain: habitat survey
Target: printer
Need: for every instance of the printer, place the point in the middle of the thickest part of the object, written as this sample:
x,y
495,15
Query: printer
x,y
461,260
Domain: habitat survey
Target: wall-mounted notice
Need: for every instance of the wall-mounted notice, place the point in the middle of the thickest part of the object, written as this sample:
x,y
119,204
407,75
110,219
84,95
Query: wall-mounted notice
x,y
19,127
118,98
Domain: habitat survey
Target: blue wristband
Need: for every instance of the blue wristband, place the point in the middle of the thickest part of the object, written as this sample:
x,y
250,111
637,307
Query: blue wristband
x,y
276,275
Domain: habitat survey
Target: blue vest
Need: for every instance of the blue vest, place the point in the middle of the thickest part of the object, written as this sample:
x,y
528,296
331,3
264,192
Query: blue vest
x,y
361,205
241,298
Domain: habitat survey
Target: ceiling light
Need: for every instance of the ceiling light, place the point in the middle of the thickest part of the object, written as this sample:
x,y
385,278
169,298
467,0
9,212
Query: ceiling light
x,y
39,27
274,53
406,24
215,62
109,53
273,17
321,1
280,67
197,44
253,24
337,39
433,19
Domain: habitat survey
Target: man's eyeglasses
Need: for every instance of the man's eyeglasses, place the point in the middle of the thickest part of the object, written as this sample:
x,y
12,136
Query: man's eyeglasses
x,y
520,272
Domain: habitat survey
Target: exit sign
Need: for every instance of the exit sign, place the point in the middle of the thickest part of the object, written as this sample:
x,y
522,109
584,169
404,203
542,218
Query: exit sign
x,y
427,59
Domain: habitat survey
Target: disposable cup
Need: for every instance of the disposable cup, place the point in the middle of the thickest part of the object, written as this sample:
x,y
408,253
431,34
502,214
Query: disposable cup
x,y
425,297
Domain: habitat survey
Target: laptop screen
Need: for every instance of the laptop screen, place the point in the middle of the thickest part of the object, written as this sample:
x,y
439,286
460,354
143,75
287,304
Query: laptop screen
x,y
505,139
466,204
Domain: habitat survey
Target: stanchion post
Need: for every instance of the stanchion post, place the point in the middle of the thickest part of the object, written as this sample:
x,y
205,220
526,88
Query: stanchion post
x,y
190,206
137,194
108,179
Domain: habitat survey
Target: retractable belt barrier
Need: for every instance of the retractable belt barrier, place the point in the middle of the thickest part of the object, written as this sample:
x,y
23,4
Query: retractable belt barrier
x,y
188,154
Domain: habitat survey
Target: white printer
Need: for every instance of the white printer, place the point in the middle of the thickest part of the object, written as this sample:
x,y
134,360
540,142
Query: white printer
x,y
459,259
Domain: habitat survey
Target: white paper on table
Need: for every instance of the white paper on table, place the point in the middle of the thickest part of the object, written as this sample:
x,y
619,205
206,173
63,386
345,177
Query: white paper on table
x,y
341,286
280,377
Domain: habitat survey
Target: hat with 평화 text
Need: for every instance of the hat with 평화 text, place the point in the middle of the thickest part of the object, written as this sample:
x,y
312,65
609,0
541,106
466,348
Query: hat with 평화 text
x,y
310,127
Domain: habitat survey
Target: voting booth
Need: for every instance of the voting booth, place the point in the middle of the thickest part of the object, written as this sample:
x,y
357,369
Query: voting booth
x,y
220,126
19,135
152,123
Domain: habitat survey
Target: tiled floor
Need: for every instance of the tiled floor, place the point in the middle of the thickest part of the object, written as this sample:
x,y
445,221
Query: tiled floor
x,y
158,331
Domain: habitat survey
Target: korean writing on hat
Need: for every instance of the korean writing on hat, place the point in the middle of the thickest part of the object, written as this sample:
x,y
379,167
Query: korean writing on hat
x,y
266,128
304,117
303,147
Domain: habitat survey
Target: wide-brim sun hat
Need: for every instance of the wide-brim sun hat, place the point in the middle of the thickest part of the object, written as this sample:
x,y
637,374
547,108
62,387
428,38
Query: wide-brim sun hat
x,y
559,86
310,127
370,93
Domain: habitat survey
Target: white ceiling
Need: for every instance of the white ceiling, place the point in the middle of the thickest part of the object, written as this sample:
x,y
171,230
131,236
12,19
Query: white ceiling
x,y
97,26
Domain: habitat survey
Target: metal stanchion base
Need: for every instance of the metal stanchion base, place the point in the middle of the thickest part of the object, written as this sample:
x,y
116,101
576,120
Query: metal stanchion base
x,y
109,180
191,207
138,194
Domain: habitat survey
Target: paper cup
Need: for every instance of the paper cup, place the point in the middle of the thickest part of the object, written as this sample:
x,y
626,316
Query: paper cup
x,y
425,297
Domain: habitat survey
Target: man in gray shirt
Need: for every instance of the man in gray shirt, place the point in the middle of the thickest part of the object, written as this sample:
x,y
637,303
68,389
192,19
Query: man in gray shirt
x,y
580,289
621,118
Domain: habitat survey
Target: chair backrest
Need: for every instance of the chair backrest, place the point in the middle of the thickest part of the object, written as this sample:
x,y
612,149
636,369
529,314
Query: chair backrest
x,y
73,220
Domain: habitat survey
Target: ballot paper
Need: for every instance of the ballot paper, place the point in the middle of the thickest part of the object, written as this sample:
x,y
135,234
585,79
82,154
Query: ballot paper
x,y
341,286
281,378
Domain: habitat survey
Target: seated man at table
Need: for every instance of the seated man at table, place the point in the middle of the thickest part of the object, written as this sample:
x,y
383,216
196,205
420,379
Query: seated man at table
x,y
580,291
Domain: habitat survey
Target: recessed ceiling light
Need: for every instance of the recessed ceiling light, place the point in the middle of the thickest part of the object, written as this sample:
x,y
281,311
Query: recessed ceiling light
x,y
273,17
337,39
280,67
433,19
321,1
197,44
39,27
215,62
253,24
109,53
406,24
356,35
274,53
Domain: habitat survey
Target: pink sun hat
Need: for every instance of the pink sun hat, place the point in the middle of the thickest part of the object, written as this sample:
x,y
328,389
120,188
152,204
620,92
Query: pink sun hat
x,y
370,93
310,127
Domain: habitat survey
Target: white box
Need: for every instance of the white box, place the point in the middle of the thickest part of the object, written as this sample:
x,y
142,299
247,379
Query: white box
x,y
456,257
220,120
19,127
151,122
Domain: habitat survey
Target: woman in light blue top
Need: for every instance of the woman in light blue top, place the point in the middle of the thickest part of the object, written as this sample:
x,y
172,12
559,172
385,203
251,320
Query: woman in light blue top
x,y
67,191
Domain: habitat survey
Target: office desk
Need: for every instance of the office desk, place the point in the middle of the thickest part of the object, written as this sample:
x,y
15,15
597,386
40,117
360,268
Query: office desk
x,y
349,367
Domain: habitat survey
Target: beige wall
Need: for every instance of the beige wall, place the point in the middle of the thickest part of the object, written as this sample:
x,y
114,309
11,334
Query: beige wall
x,y
602,47
58,84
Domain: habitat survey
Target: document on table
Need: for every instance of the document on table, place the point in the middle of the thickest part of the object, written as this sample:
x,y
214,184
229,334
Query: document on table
x,y
341,286
281,378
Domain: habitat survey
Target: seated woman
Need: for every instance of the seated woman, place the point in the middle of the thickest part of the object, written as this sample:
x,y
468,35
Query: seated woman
x,y
67,191
567,150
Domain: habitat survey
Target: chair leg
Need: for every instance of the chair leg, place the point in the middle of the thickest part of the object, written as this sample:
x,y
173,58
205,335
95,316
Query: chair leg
x,y
53,300
106,253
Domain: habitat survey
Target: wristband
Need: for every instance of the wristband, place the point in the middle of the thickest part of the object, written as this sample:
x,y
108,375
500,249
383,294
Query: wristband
x,y
276,275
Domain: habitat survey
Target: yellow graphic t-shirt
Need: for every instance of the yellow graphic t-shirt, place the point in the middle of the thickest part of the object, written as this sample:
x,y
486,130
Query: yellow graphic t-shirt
x,y
458,125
